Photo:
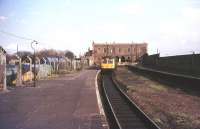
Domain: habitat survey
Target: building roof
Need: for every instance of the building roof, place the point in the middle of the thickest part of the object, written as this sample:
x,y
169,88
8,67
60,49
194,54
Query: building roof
x,y
118,44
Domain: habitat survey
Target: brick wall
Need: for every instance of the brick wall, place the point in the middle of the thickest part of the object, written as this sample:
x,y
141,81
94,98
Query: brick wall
x,y
131,52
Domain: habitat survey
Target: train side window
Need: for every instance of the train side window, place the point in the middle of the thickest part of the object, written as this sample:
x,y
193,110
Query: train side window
x,y
110,61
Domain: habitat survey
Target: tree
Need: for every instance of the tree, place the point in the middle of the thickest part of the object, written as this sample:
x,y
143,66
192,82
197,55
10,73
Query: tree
x,y
50,53
69,55
23,53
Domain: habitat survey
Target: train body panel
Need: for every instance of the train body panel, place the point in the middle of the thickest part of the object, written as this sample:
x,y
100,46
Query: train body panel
x,y
107,66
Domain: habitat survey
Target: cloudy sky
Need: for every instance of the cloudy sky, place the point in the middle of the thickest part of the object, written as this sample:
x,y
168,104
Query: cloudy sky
x,y
171,26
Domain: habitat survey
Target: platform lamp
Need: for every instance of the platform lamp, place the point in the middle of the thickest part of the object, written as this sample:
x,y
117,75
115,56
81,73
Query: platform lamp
x,y
34,42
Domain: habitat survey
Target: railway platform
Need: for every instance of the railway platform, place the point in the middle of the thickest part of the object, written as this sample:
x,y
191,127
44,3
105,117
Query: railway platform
x,y
68,102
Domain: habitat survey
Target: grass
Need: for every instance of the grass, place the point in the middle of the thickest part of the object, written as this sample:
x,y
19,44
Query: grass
x,y
158,120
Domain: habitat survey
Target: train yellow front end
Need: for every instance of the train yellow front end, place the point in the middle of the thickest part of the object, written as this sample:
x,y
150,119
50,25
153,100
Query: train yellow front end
x,y
108,63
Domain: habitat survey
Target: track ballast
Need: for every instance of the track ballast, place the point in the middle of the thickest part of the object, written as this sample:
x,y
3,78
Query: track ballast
x,y
125,114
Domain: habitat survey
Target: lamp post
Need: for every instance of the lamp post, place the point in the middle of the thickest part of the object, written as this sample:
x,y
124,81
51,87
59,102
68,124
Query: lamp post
x,y
20,70
34,42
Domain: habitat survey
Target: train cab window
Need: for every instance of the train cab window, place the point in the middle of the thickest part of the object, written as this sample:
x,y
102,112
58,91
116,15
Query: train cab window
x,y
104,61
110,61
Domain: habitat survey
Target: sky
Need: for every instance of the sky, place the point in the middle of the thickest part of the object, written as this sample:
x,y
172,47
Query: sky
x,y
170,27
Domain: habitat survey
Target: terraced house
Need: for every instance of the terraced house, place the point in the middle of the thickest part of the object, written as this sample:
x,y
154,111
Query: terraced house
x,y
123,52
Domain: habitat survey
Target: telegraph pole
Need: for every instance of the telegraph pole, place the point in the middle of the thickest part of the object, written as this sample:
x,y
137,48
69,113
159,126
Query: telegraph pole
x,y
34,42
17,49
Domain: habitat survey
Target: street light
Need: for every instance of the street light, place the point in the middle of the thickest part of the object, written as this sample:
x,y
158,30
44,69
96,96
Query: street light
x,y
34,42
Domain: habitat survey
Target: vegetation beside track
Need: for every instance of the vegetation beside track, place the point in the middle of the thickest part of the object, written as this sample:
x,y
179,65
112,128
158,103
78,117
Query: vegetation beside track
x,y
169,107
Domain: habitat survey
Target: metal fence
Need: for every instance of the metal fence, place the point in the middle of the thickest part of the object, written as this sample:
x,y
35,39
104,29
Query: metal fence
x,y
50,66
23,73
44,70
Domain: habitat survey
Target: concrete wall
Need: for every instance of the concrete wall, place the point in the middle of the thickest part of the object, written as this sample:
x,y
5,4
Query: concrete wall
x,y
186,64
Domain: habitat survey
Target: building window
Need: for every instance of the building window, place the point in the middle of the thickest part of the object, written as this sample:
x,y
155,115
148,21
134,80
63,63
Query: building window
x,y
111,50
119,50
139,51
129,49
104,50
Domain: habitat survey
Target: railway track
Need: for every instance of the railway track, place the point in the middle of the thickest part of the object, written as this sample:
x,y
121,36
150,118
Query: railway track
x,y
121,111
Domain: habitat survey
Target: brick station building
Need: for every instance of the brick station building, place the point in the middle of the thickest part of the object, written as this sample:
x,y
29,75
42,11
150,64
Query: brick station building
x,y
123,52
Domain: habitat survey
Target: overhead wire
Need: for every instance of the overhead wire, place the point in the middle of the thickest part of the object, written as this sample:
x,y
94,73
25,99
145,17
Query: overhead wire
x,y
2,32
14,35
22,37
19,37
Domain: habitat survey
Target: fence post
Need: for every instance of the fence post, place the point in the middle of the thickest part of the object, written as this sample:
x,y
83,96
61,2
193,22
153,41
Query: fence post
x,y
20,71
44,60
38,66
4,83
54,66
51,67
30,60
65,64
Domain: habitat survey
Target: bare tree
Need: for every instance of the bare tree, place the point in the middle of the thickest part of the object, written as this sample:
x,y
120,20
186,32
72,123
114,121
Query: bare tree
x,y
69,55
50,53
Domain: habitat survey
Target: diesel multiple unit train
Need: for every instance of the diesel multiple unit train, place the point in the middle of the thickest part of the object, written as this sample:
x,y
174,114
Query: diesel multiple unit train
x,y
108,63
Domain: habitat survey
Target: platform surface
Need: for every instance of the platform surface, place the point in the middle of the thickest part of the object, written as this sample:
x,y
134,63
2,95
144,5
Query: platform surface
x,y
62,103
